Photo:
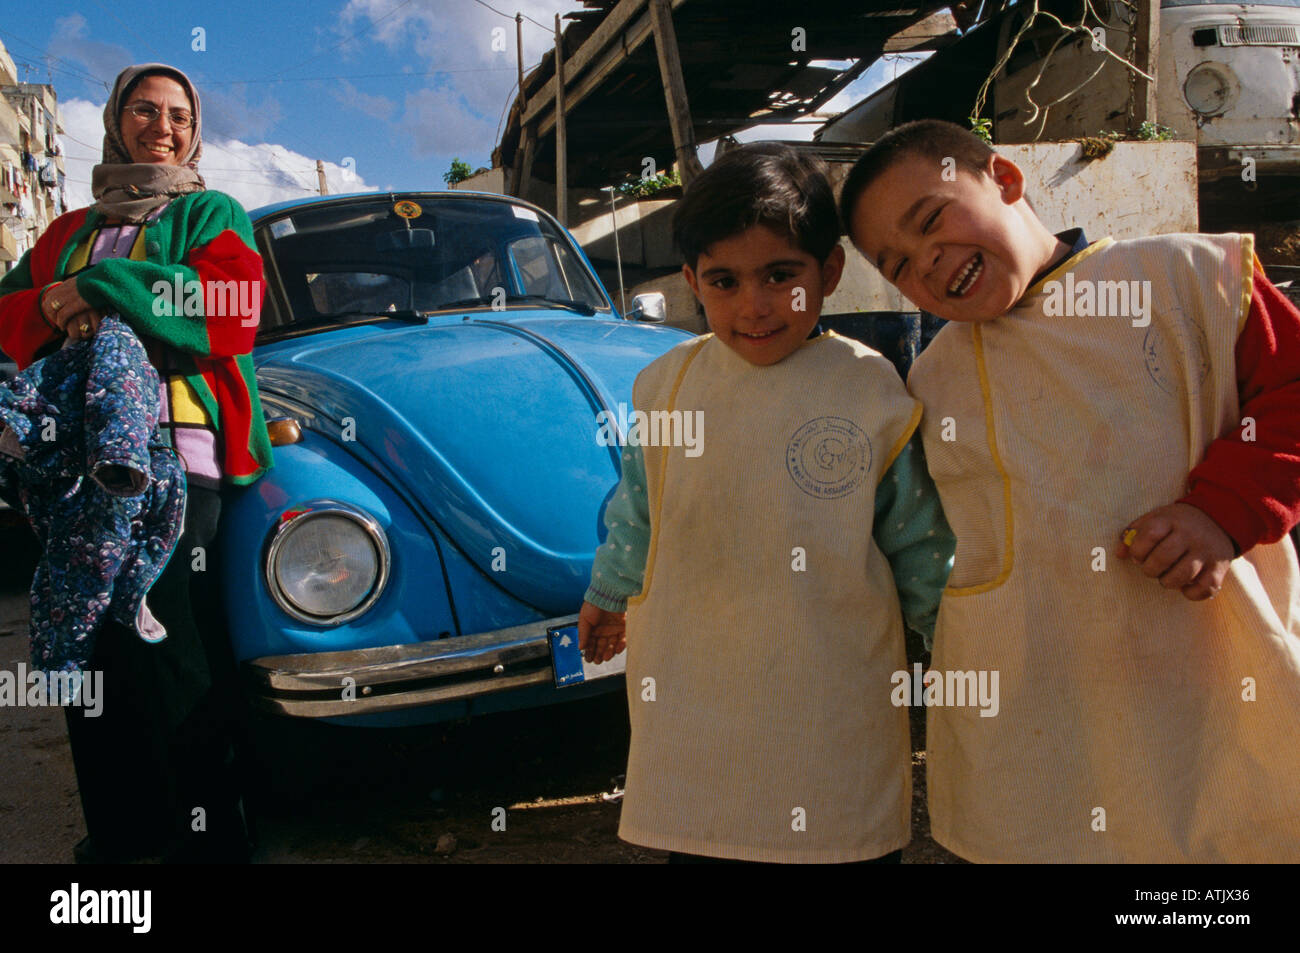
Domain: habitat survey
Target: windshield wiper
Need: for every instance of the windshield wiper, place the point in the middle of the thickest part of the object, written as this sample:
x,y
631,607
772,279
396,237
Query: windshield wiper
x,y
465,303
581,307
406,314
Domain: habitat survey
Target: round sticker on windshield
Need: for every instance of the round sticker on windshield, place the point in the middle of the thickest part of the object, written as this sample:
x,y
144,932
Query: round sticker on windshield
x,y
407,209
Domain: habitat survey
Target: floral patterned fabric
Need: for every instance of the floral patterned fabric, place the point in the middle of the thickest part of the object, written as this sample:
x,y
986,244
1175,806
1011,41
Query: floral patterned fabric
x,y
81,454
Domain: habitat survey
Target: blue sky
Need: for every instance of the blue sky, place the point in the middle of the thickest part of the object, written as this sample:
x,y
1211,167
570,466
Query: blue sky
x,y
385,92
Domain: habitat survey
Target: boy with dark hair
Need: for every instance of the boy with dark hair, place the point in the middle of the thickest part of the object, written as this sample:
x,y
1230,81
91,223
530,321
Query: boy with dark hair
x,y
762,577
1136,396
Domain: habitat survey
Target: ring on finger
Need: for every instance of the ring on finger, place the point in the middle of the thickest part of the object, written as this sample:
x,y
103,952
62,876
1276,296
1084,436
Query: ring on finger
x,y
85,327
56,306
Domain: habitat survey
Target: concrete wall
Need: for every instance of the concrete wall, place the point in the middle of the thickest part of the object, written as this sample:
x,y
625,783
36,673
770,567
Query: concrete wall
x,y
645,236
490,180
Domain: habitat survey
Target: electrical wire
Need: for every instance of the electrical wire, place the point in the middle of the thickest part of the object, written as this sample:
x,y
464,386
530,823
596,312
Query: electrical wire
x,y
346,39
548,29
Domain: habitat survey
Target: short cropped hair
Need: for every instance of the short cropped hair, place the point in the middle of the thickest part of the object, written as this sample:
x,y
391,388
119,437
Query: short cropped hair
x,y
925,139
760,184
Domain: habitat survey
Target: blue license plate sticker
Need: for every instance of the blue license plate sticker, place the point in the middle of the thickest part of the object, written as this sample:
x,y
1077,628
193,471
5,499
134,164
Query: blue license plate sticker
x,y
569,665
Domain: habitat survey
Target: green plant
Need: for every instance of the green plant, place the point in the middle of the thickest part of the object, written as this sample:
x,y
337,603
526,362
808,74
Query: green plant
x,y
642,188
982,128
1154,132
459,172
1147,132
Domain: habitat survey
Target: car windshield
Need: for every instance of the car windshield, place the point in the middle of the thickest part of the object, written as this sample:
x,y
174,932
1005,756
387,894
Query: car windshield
x,y
352,261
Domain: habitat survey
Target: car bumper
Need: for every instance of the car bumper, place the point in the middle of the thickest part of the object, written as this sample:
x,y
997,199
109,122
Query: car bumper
x,y
389,678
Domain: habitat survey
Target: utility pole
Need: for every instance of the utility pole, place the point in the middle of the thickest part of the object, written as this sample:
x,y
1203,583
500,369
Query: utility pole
x,y
519,52
561,166
320,176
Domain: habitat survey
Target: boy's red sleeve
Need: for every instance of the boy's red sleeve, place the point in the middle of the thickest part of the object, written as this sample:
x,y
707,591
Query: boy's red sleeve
x,y
1251,487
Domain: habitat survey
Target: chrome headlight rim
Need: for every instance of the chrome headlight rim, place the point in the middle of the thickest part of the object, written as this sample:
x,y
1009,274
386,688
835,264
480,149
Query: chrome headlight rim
x,y
1224,76
314,509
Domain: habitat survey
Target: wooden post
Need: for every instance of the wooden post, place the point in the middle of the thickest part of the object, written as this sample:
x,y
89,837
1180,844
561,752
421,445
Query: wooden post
x,y
519,53
561,169
320,177
527,152
516,186
1146,56
679,109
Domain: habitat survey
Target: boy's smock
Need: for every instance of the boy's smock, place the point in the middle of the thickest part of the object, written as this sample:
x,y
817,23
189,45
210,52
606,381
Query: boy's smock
x,y
761,649
1134,725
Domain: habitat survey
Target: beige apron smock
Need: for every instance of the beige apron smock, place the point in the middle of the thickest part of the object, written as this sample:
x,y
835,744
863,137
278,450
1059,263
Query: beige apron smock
x,y
771,735
1134,724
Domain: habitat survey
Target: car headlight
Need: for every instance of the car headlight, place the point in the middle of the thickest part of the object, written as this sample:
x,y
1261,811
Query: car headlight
x,y
327,562
1210,88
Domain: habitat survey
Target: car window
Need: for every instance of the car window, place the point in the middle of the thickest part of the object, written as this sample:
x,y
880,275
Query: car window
x,y
341,292
538,268
339,261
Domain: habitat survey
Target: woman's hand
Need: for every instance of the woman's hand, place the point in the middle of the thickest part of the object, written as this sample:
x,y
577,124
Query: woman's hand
x,y
63,307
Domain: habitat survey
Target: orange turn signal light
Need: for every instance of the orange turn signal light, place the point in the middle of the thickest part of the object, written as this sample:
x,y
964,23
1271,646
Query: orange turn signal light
x,y
283,431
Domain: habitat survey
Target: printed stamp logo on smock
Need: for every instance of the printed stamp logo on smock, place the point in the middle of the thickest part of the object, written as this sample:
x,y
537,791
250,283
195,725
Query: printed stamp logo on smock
x,y
1177,357
828,457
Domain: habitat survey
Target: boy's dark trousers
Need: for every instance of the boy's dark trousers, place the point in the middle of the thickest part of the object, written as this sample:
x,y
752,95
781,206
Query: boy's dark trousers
x,y
162,746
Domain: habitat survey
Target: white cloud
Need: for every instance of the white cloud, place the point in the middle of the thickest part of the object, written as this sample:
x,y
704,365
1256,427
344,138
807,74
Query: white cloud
x,y
466,103
255,174
438,122
380,107
72,41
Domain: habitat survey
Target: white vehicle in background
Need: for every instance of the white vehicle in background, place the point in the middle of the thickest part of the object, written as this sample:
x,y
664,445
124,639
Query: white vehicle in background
x,y
1228,78
1238,87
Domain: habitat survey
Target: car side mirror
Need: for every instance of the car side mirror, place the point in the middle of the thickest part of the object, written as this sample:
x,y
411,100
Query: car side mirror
x,y
650,306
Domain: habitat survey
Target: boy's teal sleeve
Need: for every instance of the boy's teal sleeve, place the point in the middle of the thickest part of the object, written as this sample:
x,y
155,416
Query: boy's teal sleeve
x,y
911,531
618,571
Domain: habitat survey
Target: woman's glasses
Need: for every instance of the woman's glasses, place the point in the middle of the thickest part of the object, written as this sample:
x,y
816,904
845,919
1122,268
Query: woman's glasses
x,y
148,112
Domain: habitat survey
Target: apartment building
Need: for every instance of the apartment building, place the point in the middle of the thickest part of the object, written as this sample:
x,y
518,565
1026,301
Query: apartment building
x,y
31,162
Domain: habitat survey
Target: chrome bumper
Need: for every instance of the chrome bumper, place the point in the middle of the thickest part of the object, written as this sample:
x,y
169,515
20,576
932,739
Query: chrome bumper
x,y
388,678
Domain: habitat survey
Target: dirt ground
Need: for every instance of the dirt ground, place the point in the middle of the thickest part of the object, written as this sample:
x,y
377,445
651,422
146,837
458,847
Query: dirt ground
x,y
411,795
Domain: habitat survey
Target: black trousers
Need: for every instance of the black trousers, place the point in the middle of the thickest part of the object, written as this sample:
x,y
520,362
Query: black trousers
x,y
155,770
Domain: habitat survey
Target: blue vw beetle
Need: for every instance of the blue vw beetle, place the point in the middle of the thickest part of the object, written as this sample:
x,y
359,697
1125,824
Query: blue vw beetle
x,y
432,366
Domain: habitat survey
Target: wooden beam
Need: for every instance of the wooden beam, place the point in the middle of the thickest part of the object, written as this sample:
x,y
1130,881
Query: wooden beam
x,y
608,29
640,31
561,166
679,107
1146,56
606,34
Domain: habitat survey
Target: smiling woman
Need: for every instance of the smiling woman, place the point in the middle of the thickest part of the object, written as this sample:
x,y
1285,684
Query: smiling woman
x,y
156,760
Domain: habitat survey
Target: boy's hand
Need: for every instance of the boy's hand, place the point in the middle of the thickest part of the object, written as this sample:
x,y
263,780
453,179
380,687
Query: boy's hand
x,y
601,634
1182,547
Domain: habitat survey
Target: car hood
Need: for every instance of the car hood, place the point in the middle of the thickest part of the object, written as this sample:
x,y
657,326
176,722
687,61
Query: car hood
x,y
491,426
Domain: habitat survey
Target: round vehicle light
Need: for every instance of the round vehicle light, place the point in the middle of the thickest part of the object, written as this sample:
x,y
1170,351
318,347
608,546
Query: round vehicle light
x,y
1211,88
327,563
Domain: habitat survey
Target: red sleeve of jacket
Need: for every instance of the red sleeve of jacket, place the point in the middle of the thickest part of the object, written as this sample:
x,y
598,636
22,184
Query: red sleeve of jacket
x,y
228,261
1249,481
23,332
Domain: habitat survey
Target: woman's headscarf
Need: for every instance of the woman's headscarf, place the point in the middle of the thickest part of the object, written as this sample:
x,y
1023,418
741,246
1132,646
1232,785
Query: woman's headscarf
x,y
130,190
